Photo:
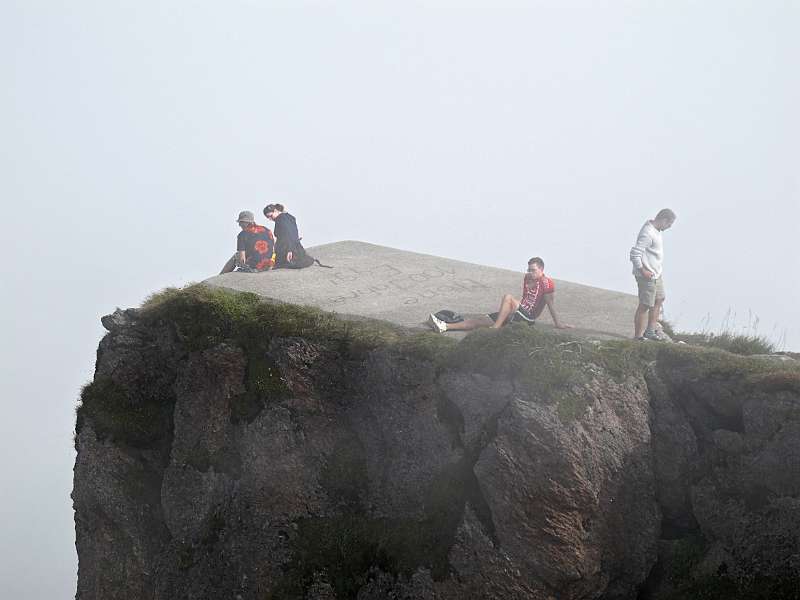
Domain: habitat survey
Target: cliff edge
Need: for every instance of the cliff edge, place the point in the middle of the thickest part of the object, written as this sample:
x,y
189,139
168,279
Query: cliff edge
x,y
234,448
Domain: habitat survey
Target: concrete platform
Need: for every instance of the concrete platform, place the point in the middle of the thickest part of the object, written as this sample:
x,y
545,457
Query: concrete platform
x,y
404,287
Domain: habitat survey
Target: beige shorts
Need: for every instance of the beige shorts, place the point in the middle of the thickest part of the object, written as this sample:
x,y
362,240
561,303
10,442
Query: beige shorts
x,y
650,290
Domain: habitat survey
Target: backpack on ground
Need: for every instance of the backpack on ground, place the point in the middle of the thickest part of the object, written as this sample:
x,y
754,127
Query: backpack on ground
x,y
448,316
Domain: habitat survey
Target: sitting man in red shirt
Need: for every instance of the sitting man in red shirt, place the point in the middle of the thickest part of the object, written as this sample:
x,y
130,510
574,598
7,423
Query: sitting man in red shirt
x,y
538,291
255,247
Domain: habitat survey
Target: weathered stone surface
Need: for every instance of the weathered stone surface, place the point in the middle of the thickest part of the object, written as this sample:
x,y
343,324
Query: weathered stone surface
x,y
569,501
119,523
118,319
743,479
404,287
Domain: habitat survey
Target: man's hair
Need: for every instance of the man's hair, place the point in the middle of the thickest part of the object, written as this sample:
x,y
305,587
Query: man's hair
x,y
665,214
270,207
536,261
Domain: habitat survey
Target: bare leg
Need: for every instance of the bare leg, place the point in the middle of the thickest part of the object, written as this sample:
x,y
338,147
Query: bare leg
x,y
655,312
508,305
469,325
640,319
229,266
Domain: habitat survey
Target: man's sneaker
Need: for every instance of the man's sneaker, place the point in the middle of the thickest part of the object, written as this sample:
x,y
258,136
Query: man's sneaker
x,y
436,324
666,337
654,335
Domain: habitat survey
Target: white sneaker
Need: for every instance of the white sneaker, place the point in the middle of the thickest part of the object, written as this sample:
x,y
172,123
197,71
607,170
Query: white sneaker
x,y
654,335
437,325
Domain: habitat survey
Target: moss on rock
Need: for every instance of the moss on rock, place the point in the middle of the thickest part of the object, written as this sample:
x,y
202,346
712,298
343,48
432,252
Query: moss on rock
x,y
744,345
111,412
551,367
206,316
694,363
263,385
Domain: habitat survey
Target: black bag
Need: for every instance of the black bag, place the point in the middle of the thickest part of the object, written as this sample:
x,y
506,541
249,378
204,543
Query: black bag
x,y
448,316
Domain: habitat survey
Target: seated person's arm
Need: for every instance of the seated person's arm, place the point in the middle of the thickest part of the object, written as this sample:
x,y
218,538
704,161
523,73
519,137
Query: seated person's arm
x,y
242,257
288,254
550,301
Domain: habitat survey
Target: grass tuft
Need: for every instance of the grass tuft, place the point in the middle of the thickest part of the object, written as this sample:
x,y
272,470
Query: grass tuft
x,y
717,363
741,344
206,316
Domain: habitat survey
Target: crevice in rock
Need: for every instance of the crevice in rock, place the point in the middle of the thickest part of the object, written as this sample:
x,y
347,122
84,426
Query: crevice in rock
x,y
475,495
673,530
450,416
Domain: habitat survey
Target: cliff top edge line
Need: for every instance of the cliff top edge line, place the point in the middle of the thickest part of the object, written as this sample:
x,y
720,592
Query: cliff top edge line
x,y
403,287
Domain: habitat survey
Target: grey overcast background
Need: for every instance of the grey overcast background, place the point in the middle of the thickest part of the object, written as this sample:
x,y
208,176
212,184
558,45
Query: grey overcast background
x,y
132,133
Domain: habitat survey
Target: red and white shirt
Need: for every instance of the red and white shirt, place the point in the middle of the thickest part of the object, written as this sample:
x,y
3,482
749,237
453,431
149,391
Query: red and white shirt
x,y
533,292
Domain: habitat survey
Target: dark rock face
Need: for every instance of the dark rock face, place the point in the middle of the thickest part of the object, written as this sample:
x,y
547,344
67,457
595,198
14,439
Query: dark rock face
x,y
727,448
304,470
573,505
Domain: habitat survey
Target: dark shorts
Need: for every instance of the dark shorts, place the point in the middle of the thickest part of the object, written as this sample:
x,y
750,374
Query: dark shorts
x,y
520,316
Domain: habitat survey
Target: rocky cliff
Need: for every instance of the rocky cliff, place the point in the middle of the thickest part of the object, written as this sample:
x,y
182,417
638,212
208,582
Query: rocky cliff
x,y
232,448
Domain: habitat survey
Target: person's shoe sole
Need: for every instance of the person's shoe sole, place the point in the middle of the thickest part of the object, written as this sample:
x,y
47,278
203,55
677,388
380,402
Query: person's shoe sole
x,y
434,323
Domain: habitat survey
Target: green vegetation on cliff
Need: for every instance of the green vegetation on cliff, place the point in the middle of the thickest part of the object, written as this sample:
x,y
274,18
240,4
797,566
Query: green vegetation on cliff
x,y
115,415
206,316
547,367
713,364
551,366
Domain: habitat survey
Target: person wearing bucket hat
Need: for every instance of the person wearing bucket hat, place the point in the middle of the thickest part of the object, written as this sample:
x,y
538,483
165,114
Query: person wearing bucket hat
x,y
255,247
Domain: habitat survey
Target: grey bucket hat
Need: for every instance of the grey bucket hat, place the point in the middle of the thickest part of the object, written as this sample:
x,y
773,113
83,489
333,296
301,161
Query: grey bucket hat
x,y
246,217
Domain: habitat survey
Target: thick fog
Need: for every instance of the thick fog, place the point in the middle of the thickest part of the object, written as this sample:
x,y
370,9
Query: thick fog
x,y
132,134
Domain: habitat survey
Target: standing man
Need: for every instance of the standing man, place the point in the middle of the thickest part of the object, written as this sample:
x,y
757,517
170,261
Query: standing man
x,y
647,256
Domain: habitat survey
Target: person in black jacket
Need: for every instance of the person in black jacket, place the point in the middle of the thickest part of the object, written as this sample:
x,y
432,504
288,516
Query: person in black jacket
x,y
289,252
287,238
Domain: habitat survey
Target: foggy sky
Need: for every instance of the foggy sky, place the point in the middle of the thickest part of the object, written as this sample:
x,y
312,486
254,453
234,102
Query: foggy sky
x,y
132,134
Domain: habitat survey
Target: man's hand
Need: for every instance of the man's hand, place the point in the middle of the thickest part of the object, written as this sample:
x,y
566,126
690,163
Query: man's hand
x,y
289,257
548,298
646,273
